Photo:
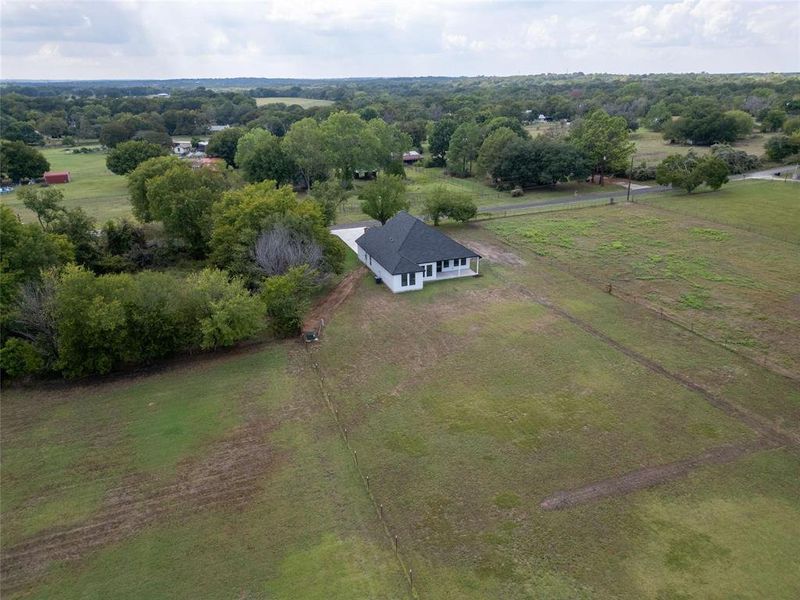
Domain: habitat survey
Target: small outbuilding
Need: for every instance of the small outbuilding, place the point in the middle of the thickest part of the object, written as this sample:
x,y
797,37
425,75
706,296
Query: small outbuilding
x,y
51,177
406,253
411,157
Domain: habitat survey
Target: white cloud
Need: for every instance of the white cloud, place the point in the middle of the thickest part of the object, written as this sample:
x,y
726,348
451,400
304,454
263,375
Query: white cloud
x,y
334,38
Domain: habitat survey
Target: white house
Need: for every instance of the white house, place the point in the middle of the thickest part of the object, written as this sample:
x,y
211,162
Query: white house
x,y
405,253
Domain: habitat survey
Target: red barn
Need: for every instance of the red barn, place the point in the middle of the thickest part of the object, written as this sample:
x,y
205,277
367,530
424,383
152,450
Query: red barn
x,y
56,177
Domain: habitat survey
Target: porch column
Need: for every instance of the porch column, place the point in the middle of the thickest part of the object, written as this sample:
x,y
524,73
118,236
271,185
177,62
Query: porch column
x,y
477,265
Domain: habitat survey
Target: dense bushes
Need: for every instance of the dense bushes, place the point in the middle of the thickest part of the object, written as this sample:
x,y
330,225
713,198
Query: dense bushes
x,y
781,147
738,161
541,161
454,205
690,171
287,298
242,215
103,322
128,155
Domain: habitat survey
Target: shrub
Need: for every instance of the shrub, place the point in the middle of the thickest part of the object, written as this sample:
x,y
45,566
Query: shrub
x,y
642,172
107,321
128,155
517,192
782,146
455,205
287,297
738,161
20,357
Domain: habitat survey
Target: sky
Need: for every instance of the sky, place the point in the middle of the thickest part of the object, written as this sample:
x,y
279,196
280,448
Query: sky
x,y
151,39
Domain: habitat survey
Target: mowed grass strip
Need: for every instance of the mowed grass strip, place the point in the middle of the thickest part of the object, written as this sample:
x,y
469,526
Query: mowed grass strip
x,y
738,287
229,474
468,404
93,188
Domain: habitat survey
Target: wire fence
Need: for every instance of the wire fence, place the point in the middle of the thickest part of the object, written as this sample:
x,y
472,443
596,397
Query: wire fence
x,y
759,357
381,510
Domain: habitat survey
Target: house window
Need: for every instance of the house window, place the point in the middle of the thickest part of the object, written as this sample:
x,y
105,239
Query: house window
x,y
404,279
429,270
438,266
463,262
446,264
412,279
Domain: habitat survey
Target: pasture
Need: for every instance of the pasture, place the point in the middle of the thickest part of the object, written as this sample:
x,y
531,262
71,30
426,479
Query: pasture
x,y
290,101
689,257
94,188
652,148
525,434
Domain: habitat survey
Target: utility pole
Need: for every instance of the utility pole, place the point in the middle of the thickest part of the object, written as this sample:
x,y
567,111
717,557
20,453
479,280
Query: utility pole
x,y
630,175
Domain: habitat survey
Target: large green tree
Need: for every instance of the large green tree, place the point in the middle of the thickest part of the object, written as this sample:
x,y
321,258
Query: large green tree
x,y
261,157
604,141
125,157
690,171
222,144
20,161
492,148
541,161
349,144
137,183
244,214
305,145
439,138
463,150
384,198
182,198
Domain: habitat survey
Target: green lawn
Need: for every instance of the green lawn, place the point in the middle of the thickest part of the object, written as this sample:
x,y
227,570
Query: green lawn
x,y
289,101
94,188
469,403
736,286
770,208
257,498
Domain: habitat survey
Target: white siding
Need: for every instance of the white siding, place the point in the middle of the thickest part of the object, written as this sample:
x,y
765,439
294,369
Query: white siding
x,y
393,282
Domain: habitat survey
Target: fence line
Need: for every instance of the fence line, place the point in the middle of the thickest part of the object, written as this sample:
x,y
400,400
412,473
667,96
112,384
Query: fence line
x,y
394,539
761,359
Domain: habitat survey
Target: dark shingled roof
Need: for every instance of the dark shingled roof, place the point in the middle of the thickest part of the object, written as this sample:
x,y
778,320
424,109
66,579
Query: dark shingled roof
x,y
405,242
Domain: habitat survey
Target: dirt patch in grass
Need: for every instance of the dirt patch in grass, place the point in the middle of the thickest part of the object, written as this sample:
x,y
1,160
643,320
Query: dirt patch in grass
x,y
494,253
321,313
226,479
651,476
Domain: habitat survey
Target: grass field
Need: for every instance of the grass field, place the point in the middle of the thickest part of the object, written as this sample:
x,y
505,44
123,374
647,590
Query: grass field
x,y
289,101
94,188
469,404
678,255
652,148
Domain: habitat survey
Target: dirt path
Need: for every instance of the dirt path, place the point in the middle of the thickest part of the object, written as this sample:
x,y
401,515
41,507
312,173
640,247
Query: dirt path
x,y
321,312
227,479
651,476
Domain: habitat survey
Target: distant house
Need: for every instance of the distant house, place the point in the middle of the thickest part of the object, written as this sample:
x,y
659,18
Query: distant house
x,y
202,146
405,253
542,118
52,177
411,157
181,148
215,128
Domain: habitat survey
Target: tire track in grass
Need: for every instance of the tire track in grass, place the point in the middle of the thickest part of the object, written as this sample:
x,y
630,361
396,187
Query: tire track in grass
x,y
652,476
